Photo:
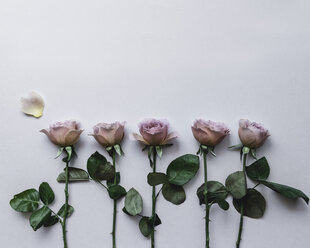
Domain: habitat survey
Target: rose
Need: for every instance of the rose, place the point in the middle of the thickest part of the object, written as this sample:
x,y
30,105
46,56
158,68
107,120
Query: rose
x,y
109,134
63,134
252,134
209,133
154,132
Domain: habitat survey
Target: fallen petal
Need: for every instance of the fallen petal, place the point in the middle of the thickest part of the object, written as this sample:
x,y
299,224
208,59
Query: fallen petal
x,y
32,104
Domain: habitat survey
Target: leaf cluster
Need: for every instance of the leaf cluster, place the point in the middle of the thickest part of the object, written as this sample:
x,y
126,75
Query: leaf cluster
x,y
253,201
179,172
37,203
100,169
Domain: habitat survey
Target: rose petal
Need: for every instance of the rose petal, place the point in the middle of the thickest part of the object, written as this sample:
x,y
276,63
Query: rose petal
x,y
32,104
170,137
201,136
72,137
100,139
47,133
139,138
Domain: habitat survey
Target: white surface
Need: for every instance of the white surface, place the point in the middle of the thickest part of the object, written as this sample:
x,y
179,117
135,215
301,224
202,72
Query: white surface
x,y
103,60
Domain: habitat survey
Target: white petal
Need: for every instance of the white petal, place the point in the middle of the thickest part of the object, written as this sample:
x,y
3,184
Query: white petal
x,y
32,104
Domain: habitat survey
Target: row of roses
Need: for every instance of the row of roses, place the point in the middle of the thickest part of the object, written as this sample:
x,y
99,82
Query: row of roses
x,y
154,134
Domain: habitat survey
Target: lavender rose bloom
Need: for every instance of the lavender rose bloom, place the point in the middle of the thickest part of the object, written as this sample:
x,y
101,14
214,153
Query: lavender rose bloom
x,y
154,132
63,134
252,134
109,134
209,133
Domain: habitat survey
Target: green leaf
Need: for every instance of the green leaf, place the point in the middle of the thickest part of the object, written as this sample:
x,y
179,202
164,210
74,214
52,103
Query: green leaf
x,y
149,154
125,211
236,146
116,192
183,169
204,148
118,150
259,170
286,191
26,201
99,168
174,193
61,211
110,150
75,175
70,152
60,150
145,227
154,221
245,150
199,151
159,151
254,204
147,224
216,192
253,153
223,204
40,217
46,193
51,221
201,194
211,150
236,184
133,202
111,181
156,178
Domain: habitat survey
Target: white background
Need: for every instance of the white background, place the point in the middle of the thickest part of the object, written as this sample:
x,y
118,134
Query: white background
x,y
107,60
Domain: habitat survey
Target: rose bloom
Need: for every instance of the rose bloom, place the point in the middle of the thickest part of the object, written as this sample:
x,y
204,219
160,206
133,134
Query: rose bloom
x,y
154,132
209,133
252,134
109,134
63,134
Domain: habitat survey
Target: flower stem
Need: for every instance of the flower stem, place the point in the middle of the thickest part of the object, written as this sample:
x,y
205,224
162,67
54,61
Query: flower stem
x,y
207,219
153,201
241,208
63,224
114,206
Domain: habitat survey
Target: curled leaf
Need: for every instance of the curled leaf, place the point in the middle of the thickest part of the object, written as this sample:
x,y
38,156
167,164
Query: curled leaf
x,y
32,104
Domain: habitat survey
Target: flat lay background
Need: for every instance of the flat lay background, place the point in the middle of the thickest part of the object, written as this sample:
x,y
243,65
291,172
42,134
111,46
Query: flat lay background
x,y
107,60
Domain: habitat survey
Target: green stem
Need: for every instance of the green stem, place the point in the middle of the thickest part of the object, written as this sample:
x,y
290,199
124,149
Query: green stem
x,y
207,218
153,201
114,206
63,224
241,208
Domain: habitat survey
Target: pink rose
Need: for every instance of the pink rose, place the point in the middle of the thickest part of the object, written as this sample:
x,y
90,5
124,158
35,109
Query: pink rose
x,y
63,133
209,133
154,132
109,134
252,134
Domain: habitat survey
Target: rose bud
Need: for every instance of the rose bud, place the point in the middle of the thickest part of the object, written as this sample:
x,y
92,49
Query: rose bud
x,y
109,134
209,133
154,132
63,134
252,134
